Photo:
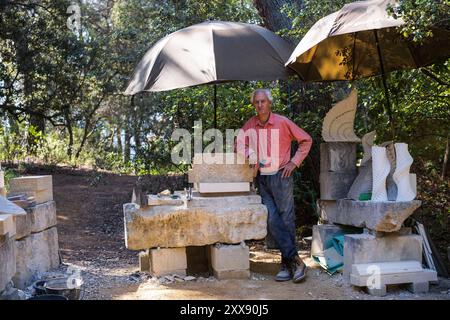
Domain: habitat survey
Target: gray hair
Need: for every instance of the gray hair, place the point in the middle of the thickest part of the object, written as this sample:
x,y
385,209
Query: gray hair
x,y
265,91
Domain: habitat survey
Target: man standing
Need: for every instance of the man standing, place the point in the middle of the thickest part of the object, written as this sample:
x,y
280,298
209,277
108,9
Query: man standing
x,y
272,137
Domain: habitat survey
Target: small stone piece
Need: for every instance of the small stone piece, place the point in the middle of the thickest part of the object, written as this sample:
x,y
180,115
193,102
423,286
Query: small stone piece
x,y
232,274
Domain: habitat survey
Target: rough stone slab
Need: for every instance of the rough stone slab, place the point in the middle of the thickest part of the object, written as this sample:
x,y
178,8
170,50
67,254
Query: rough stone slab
x,y
30,183
219,187
177,226
36,253
338,157
7,225
366,248
386,216
144,261
7,260
168,261
335,185
323,234
232,274
230,257
224,167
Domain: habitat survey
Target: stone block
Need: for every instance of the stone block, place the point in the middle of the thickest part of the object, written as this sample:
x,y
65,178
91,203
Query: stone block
x,y
366,248
323,235
144,261
335,185
43,216
220,167
7,225
7,260
376,276
327,209
40,196
386,216
230,257
179,226
220,187
30,183
23,225
224,201
168,261
37,253
338,157
232,274
419,287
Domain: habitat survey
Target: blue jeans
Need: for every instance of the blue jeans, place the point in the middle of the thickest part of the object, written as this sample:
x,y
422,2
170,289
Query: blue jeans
x,y
277,194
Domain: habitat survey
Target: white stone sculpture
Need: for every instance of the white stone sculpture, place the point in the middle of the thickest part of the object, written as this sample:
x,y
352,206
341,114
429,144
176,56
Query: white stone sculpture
x,y
367,143
405,191
380,171
338,122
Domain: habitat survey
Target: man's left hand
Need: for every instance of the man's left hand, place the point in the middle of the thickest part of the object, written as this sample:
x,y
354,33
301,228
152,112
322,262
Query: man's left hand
x,y
288,169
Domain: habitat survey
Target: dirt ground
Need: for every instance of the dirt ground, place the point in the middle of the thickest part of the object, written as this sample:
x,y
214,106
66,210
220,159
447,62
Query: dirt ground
x,y
91,237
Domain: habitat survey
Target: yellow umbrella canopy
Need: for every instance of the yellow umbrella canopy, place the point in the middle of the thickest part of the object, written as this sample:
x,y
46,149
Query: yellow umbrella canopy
x,y
348,44
362,40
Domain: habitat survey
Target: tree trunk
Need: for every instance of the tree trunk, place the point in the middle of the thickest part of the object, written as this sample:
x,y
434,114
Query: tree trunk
x,y
445,162
127,149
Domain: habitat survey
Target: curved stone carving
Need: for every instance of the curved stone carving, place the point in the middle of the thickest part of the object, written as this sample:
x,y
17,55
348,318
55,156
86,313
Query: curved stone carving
x,y
367,143
338,122
405,191
380,171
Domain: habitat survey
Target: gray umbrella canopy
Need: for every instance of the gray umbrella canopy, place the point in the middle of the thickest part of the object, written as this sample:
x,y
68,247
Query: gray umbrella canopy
x,y
361,40
211,52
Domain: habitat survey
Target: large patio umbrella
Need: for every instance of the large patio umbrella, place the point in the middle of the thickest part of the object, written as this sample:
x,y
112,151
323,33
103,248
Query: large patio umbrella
x,y
362,40
211,52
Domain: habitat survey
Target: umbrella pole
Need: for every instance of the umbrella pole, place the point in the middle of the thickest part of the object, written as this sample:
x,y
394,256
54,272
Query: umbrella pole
x,y
215,106
386,91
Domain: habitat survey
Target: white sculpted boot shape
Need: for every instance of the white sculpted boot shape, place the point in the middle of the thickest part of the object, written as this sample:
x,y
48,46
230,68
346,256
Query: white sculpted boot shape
x,y
380,171
405,191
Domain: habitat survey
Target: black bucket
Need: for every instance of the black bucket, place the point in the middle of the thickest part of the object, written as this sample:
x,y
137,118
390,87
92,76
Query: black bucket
x,y
48,297
61,287
39,288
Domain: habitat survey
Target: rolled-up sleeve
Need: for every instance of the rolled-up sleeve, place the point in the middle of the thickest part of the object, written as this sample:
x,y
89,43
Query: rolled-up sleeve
x,y
304,142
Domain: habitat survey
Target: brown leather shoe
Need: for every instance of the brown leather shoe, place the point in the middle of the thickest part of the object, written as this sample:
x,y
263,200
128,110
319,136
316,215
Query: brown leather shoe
x,y
298,268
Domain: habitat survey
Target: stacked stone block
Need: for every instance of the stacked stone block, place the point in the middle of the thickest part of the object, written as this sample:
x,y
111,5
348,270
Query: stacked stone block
x,y
36,248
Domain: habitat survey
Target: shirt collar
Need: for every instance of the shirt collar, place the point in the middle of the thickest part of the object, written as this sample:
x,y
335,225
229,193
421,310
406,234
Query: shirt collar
x,y
269,121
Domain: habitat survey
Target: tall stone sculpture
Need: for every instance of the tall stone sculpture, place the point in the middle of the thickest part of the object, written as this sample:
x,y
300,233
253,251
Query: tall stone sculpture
x,y
380,171
405,191
338,123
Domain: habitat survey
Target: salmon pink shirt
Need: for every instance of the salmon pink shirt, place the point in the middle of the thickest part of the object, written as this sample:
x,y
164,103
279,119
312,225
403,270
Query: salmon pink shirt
x,y
272,142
